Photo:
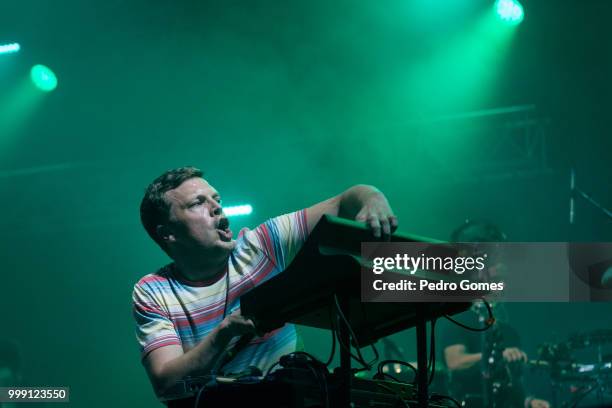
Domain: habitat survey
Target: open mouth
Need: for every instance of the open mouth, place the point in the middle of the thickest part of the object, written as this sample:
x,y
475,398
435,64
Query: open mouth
x,y
226,234
223,229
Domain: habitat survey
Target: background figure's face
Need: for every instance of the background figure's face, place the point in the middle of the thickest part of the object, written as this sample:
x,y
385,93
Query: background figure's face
x,y
196,219
496,268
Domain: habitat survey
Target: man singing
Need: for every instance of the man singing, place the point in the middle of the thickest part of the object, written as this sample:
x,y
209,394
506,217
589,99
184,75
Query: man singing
x,y
188,312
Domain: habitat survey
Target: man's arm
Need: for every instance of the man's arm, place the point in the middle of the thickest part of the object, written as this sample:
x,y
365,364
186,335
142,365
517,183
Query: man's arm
x,y
457,359
361,203
167,365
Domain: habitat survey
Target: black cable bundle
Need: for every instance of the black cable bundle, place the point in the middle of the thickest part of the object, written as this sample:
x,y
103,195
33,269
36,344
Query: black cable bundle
x,y
300,359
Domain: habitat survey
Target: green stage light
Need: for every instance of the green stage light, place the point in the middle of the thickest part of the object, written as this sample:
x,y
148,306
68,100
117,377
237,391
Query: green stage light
x,y
238,210
43,78
9,48
509,11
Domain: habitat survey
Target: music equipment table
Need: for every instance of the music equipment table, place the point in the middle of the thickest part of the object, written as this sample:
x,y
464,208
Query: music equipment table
x,y
326,274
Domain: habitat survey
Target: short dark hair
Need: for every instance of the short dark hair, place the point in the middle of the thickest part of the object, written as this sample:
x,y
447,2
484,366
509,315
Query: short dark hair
x,y
154,209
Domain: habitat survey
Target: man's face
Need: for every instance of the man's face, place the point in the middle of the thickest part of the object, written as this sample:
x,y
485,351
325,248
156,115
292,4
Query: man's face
x,y
196,218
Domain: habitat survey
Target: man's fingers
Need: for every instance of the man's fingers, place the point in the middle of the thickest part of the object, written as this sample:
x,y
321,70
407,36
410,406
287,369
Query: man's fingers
x,y
511,354
540,404
514,354
379,223
393,222
374,224
247,326
386,228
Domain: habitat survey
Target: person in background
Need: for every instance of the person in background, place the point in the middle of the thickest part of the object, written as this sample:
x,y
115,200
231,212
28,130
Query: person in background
x,y
463,349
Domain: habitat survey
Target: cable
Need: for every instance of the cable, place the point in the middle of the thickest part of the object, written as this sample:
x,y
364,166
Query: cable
x,y
350,329
371,362
488,323
376,355
437,397
399,396
359,357
197,400
269,371
342,345
353,356
393,378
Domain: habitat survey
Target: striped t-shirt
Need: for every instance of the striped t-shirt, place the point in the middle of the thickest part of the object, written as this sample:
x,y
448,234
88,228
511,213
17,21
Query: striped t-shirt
x,y
169,310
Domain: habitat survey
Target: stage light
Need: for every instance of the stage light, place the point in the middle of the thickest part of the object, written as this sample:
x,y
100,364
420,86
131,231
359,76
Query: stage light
x,y
509,11
43,78
238,210
9,48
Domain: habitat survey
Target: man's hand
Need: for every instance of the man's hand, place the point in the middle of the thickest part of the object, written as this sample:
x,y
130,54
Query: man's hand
x,y
235,325
513,354
362,203
168,364
378,216
538,403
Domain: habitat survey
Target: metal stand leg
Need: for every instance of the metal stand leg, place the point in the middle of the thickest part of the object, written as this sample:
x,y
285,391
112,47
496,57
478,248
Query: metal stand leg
x,y
345,357
421,338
